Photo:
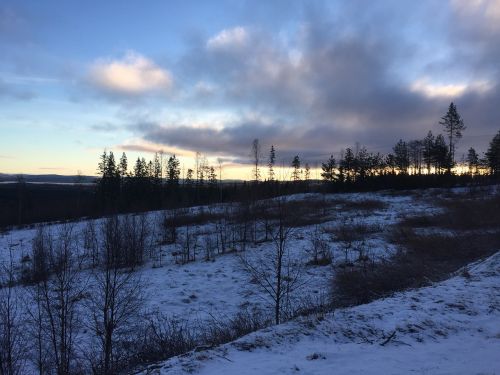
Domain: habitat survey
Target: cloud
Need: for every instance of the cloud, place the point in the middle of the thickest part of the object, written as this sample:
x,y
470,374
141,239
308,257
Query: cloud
x,y
227,39
449,91
367,73
133,75
485,12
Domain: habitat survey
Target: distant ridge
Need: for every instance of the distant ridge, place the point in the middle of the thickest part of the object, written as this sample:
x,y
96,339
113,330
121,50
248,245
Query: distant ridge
x,y
47,178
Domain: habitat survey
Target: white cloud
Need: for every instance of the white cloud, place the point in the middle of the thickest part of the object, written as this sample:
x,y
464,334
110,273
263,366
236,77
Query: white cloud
x,y
487,12
438,90
132,75
229,38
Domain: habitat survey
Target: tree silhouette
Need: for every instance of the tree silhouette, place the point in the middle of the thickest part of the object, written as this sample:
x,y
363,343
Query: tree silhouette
x,y
328,169
493,155
270,164
453,126
296,168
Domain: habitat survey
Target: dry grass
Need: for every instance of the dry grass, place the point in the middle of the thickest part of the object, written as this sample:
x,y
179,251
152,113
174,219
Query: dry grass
x,y
425,257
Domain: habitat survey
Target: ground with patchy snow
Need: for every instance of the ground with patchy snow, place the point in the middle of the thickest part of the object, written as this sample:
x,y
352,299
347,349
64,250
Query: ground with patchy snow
x,y
452,327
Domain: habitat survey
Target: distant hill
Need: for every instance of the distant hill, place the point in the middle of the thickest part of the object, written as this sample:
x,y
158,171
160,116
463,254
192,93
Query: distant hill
x,y
47,178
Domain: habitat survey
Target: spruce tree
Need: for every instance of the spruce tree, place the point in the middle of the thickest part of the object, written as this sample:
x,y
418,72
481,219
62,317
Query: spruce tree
x,y
270,164
296,168
123,165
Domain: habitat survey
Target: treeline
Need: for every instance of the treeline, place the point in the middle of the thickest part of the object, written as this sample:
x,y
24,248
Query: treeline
x,y
160,183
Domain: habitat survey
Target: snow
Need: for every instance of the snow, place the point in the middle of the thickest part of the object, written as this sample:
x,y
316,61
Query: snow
x,y
448,328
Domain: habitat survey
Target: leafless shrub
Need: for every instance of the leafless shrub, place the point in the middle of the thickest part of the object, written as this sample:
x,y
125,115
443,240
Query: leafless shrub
x,y
278,274
55,306
113,305
319,248
163,337
91,242
217,331
13,344
189,245
423,256
136,239
41,251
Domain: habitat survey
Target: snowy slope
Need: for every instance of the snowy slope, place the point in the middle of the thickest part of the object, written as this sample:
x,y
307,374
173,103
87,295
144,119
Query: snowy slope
x,y
452,327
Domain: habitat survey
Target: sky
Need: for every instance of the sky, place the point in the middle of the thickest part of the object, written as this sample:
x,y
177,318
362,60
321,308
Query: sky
x,y
310,77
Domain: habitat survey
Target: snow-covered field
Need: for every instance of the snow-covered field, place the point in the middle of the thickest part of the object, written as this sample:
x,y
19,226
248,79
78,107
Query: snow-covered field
x,y
220,287
452,327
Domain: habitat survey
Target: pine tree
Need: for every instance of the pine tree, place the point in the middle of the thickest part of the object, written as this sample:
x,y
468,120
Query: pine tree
x,y
212,177
493,155
140,168
296,168
453,126
347,164
189,177
472,161
390,161
441,155
328,169
427,154
307,172
101,167
401,157
173,171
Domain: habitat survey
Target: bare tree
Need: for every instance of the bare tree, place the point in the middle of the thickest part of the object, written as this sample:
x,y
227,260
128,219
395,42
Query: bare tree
x,y
114,302
256,155
277,274
90,242
12,340
58,298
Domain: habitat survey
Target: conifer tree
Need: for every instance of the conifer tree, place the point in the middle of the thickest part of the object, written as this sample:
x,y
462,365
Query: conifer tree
x,y
307,172
328,169
493,155
441,155
270,164
173,171
123,165
453,126
427,153
296,168
401,157
256,159
473,161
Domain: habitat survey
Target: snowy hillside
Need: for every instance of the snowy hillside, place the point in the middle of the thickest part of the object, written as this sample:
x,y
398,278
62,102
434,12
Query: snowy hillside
x,y
452,327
